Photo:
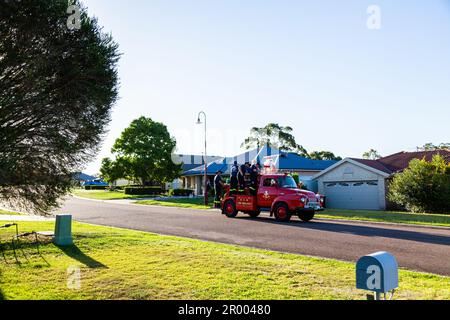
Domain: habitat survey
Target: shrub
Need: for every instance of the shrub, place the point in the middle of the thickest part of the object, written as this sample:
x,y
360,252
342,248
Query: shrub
x,y
141,191
180,192
423,186
95,187
296,178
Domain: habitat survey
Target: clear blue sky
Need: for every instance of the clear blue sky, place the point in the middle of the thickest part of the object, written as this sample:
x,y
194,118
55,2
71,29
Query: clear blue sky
x,y
312,65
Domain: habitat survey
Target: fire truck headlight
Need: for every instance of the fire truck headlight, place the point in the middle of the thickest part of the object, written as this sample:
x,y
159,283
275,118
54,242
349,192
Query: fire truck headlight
x,y
303,200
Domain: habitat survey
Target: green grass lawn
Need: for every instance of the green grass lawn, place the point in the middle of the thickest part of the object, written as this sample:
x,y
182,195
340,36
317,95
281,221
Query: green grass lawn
x,y
387,216
7,213
124,264
192,203
104,195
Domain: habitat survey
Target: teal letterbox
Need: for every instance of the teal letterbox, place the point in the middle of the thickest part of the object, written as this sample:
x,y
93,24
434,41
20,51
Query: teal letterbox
x,y
377,272
63,230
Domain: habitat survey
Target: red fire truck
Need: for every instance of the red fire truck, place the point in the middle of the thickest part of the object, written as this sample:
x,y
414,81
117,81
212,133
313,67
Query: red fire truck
x,y
278,194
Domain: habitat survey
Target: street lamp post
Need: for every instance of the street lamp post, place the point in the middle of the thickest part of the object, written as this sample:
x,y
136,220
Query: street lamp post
x,y
205,159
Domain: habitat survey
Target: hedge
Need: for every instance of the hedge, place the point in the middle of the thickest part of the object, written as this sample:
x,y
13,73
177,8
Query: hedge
x,y
95,187
181,192
141,191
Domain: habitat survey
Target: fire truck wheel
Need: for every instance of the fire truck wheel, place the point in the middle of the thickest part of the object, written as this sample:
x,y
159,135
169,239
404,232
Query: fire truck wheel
x,y
254,214
282,212
306,216
229,209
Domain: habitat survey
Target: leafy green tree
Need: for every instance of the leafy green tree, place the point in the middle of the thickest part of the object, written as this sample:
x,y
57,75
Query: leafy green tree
x,y
324,155
276,136
57,87
423,186
113,170
146,148
444,146
433,147
372,154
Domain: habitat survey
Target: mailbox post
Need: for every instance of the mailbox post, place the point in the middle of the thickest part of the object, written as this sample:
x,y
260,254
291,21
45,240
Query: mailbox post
x,y
378,273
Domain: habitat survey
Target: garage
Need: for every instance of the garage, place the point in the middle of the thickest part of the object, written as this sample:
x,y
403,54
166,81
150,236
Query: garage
x,y
352,195
353,184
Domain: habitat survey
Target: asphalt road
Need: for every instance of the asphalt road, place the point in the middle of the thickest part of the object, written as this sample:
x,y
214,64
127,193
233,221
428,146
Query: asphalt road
x,y
416,248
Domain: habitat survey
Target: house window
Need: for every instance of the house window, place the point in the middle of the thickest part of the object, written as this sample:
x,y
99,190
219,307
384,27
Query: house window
x,y
331,184
372,183
358,184
344,184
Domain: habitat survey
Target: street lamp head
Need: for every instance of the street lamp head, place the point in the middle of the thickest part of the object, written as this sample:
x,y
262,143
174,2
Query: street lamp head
x,y
198,119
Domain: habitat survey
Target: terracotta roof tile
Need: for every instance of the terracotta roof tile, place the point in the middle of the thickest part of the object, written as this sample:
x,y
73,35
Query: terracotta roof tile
x,y
374,164
400,161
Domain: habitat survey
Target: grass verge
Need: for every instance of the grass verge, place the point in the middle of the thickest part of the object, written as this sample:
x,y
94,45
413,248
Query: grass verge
x,y
8,213
192,203
105,195
124,264
387,216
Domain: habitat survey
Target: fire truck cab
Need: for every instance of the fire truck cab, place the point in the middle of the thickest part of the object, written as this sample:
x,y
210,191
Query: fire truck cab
x,y
278,194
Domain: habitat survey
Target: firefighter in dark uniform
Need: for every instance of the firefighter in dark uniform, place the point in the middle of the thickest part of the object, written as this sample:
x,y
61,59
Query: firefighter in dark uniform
x,y
234,183
241,178
254,172
218,189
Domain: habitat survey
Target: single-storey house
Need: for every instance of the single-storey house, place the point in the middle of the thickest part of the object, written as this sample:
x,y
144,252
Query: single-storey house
x,y
363,184
188,162
283,161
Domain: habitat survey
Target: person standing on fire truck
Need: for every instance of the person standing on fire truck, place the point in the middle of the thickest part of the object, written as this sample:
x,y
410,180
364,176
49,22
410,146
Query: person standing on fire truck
x,y
234,178
218,189
254,172
241,178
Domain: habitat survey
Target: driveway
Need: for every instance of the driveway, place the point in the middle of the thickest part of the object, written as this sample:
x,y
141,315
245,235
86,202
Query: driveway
x,y
416,248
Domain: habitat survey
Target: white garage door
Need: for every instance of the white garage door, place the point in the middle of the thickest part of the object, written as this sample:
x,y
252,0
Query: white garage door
x,y
352,195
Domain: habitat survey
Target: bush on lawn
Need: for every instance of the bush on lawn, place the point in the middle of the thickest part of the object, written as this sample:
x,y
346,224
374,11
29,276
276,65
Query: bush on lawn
x,y
95,187
141,191
423,186
181,192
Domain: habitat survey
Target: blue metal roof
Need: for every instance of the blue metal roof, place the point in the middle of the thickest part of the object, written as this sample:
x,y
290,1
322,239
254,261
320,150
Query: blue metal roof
x,y
284,161
294,161
80,176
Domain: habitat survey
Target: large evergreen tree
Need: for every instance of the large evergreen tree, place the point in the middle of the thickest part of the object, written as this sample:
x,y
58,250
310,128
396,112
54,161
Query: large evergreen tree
x,y
324,155
57,87
276,136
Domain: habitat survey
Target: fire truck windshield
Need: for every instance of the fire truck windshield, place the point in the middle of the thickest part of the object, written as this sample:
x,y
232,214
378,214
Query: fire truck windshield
x,y
287,182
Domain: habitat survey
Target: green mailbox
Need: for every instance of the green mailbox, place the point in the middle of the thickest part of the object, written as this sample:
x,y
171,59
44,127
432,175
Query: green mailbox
x,y
63,230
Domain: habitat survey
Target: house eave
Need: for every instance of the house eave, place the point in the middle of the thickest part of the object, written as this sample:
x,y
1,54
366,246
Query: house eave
x,y
356,163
